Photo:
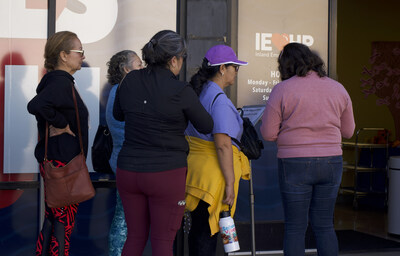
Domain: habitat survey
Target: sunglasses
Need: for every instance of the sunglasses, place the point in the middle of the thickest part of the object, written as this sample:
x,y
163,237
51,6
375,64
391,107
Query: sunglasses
x,y
236,67
82,52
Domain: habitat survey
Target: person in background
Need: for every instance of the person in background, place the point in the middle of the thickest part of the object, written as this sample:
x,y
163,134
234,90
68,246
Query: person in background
x,y
119,65
307,114
215,162
54,104
152,164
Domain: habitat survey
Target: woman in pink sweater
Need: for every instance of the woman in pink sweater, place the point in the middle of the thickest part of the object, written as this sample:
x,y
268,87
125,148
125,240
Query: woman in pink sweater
x,y
307,114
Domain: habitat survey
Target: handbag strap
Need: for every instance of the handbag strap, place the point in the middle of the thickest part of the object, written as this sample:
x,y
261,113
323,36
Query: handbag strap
x,y
77,118
77,121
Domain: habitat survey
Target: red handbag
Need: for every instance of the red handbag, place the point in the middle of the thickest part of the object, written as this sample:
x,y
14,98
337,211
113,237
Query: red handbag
x,y
71,183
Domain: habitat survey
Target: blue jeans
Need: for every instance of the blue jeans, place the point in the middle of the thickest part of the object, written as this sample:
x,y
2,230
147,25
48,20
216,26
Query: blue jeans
x,y
309,187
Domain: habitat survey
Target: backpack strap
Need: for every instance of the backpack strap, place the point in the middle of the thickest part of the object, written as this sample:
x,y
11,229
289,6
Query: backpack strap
x,y
235,140
216,96
237,143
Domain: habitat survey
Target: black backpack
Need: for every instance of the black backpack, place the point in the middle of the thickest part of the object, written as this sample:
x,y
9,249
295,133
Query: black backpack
x,y
249,143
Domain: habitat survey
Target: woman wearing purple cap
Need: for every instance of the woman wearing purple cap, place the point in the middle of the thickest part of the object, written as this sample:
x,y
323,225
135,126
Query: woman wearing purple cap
x,y
307,114
215,162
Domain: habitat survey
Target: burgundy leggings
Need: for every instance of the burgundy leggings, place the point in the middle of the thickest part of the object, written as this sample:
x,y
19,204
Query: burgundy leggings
x,y
153,199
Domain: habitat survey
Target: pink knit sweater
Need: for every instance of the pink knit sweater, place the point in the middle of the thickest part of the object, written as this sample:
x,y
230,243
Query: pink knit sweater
x,y
308,116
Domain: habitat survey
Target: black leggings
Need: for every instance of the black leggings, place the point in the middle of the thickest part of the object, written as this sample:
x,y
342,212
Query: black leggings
x,y
201,243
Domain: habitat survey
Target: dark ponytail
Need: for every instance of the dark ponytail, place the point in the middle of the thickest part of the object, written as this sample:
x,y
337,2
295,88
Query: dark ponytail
x,y
204,74
162,47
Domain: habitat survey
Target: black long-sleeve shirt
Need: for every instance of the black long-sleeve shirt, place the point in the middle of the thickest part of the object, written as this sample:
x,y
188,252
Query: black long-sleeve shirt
x,y
54,103
156,108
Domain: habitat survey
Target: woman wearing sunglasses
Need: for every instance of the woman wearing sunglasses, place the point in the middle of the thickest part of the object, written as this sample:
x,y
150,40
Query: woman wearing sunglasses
x,y
215,162
54,104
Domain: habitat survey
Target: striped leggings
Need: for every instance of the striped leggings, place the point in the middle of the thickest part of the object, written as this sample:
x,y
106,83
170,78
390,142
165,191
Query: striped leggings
x,y
54,238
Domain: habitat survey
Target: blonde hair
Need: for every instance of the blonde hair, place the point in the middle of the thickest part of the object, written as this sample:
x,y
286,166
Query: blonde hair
x,y
60,41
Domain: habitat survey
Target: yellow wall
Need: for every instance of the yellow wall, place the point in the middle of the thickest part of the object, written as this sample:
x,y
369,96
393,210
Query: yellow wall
x,y
359,23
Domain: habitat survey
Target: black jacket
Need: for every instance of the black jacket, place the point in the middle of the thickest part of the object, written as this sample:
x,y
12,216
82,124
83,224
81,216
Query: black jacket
x,y
156,108
54,103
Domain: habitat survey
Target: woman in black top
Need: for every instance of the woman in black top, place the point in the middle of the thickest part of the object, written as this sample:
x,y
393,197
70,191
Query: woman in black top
x,y
151,168
54,104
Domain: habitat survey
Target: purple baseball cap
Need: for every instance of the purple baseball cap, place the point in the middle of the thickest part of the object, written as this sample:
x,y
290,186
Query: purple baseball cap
x,y
222,54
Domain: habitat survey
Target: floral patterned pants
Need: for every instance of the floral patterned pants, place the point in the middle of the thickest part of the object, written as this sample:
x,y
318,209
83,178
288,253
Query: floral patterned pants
x,y
118,230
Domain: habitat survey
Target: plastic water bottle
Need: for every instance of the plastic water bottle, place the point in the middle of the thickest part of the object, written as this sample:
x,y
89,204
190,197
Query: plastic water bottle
x,y
228,232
